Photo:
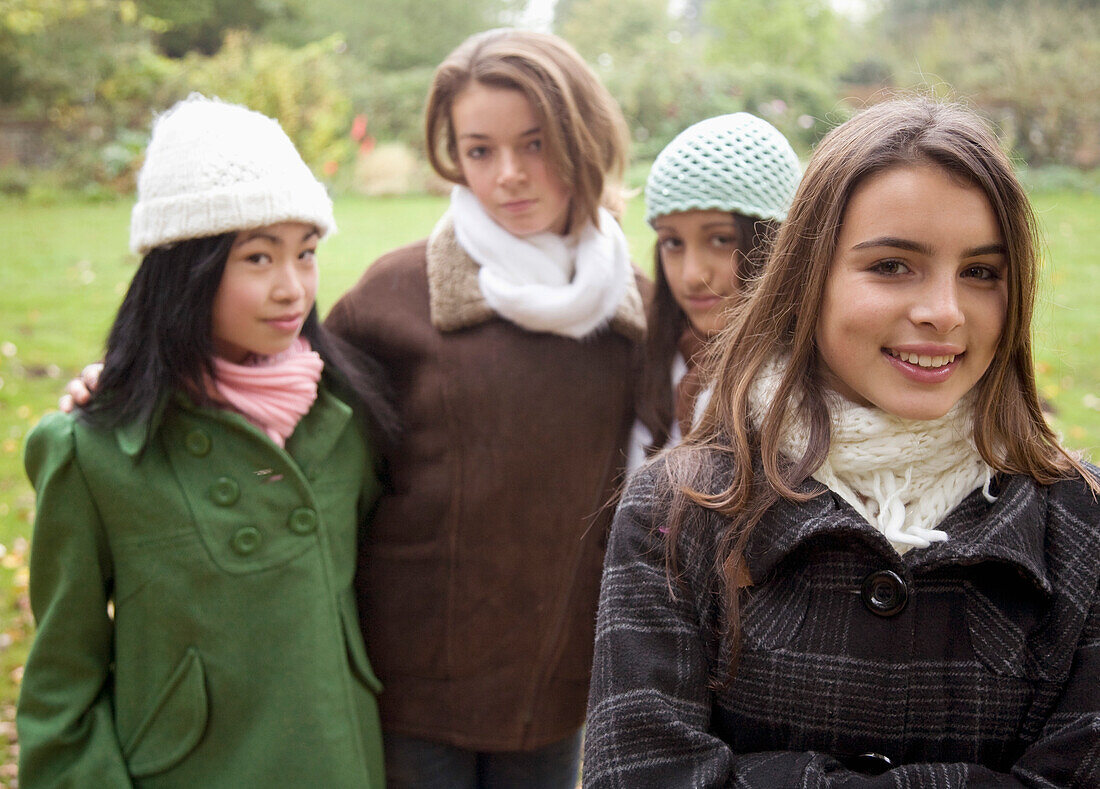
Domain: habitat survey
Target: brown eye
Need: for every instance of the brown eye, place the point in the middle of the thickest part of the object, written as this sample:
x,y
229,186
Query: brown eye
x,y
890,267
986,273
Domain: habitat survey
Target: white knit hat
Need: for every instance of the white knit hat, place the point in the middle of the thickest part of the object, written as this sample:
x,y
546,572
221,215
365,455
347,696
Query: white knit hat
x,y
212,168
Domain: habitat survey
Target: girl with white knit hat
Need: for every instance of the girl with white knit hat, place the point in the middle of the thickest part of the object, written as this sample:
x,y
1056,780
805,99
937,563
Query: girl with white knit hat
x,y
197,519
872,563
715,195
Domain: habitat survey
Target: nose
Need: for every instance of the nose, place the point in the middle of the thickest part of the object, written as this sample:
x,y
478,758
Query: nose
x,y
288,286
511,170
695,271
938,305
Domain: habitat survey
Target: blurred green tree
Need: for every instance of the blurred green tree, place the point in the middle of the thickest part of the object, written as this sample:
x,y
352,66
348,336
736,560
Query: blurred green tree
x,y
390,35
1033,67
803,35
201,25
669,70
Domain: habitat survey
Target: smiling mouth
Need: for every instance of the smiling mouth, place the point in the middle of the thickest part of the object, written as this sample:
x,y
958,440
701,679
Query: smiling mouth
x,y
930,362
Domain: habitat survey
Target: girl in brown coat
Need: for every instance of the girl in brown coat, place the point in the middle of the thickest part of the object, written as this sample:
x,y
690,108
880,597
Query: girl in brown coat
x,y
511,335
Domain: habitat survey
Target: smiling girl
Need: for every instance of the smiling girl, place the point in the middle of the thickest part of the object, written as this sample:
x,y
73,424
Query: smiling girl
x,y
715,195
197,520
873,564
512,335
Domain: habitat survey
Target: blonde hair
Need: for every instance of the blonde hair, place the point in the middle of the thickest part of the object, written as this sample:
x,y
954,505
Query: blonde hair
x,y
583,128
780,319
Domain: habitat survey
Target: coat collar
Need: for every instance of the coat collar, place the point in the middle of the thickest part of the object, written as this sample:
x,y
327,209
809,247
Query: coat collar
x,y
455,299
133,437
1010,530
312,440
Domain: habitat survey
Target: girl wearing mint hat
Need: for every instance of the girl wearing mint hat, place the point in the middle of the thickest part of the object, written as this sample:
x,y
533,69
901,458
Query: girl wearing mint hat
x,y
715,195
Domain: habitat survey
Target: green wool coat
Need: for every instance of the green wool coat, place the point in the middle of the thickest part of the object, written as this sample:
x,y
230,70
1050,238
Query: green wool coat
x,y
192,584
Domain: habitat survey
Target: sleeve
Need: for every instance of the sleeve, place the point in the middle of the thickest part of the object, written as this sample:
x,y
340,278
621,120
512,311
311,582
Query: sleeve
x,y
650,703
65,720
1067,752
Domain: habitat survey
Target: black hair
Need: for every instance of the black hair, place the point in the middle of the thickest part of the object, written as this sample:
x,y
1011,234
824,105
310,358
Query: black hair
x,y
160,343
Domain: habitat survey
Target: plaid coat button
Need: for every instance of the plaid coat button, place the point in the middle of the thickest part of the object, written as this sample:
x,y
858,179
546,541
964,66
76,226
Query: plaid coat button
x,y
868,763
884,593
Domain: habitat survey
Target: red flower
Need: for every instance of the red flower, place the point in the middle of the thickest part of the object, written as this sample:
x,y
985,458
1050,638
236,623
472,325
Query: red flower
x,y
359,127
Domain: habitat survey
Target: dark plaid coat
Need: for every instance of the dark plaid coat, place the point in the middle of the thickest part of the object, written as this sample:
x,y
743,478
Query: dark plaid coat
x,y
976,664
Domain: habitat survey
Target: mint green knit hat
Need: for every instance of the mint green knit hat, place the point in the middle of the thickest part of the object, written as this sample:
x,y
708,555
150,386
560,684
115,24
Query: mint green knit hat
x,y
737,163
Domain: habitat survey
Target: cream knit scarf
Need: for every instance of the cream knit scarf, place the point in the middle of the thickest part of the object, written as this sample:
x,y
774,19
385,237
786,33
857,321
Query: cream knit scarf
x,y
902,475
546,282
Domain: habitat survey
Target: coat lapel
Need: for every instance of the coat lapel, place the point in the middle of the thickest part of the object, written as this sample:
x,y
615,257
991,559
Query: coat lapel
x,y
316,435
1010,530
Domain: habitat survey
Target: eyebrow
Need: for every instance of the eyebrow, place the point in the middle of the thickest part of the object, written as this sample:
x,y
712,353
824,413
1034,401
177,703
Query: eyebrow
x,y
716,225
483,136
268,237
253,236
995,248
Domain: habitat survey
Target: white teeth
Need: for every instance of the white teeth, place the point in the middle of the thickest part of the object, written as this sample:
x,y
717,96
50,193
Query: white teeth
x,y
923,361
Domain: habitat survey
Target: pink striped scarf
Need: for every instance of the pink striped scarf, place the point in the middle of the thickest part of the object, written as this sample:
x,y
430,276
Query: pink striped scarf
x,y
273,392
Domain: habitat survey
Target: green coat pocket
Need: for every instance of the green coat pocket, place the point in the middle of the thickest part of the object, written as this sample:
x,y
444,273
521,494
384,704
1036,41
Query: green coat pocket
x,y
174,723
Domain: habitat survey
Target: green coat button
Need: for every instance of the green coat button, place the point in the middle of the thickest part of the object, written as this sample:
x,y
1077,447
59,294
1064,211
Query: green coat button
x,y
225,492
197,443
303,521
246,540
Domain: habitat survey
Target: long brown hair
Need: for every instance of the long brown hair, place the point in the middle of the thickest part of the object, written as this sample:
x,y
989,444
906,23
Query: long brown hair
x,y
666,323
583,128
780,318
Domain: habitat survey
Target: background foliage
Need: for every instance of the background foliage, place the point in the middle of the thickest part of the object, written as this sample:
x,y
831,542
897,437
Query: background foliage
x,y
80,79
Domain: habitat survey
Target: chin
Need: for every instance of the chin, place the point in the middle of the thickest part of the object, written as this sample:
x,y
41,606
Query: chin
x,y
914,409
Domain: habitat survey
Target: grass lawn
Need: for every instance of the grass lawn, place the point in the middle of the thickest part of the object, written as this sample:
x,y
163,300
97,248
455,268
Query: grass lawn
x,y
67,269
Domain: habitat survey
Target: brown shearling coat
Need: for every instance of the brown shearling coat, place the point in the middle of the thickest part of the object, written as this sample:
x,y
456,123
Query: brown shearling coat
x,y
480,575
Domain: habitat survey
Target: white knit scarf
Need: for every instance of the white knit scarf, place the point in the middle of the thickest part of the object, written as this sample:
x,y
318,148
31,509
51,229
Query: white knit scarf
x,y
546,282
902,475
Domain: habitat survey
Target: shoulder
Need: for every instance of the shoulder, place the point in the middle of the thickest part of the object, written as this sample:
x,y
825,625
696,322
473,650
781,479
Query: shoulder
x,y
51,443
1074,509
60,441
402,265
396,278
401,262
655,496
